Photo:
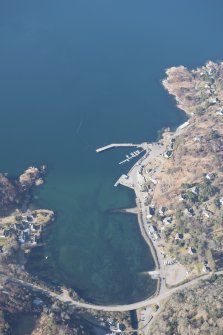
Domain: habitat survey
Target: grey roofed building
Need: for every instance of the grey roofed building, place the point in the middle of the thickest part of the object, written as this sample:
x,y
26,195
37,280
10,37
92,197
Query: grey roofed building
x,y
151,229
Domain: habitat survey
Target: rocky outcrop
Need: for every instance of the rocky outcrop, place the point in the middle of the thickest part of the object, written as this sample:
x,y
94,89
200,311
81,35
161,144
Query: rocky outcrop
x,y
180,84
31,177
10,196
15,193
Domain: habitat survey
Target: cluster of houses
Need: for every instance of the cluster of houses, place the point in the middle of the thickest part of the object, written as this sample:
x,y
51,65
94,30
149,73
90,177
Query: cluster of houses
x,y
111,324
208,72
194,190
152,230
166,220
210,91
26,230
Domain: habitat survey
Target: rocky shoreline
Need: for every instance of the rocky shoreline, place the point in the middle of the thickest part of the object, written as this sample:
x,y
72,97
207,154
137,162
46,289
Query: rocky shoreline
x,y
21,229
20,226
178,182
178,187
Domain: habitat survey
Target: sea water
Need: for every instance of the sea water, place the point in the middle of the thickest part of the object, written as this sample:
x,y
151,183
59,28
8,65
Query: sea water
x,y
76,75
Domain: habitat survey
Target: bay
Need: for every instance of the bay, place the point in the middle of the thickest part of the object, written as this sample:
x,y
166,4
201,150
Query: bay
x,y
75,75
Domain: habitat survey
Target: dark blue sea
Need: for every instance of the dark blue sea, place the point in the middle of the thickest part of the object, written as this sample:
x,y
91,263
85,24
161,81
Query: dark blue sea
x,y
79,74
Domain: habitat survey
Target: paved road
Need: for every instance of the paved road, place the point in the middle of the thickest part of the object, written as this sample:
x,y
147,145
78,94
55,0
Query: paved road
x,y
140,304
138,180
163,292
64,297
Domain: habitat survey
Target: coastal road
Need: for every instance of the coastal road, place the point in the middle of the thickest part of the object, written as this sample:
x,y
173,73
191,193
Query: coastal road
x,y
124,308
65,298
138,180
162,292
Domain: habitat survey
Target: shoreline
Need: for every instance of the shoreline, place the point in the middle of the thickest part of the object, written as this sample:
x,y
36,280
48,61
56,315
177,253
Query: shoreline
x,y
149,171
156,184
141,224
154,149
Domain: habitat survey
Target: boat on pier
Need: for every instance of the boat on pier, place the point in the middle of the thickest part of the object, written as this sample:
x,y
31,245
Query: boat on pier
x,y
120,145
132,155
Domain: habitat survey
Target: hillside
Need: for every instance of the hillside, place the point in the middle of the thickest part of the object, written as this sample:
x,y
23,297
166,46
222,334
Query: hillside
x,y
189,179
195,311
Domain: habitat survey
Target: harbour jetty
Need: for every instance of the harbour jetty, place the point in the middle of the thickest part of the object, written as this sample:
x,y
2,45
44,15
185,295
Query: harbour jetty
x,y
119,145
131,156
125,181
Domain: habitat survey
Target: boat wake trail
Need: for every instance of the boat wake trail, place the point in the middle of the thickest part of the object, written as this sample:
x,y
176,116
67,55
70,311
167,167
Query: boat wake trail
x,y
80,125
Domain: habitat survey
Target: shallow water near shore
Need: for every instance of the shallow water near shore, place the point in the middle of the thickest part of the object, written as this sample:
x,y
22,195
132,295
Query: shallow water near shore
x,y
77,75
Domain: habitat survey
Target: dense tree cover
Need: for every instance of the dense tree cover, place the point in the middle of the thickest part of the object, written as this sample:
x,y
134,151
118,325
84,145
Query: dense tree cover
x,y
51,317
194,311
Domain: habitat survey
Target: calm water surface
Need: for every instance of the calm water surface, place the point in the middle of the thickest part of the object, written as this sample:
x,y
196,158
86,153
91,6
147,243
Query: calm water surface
x,y
75,75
